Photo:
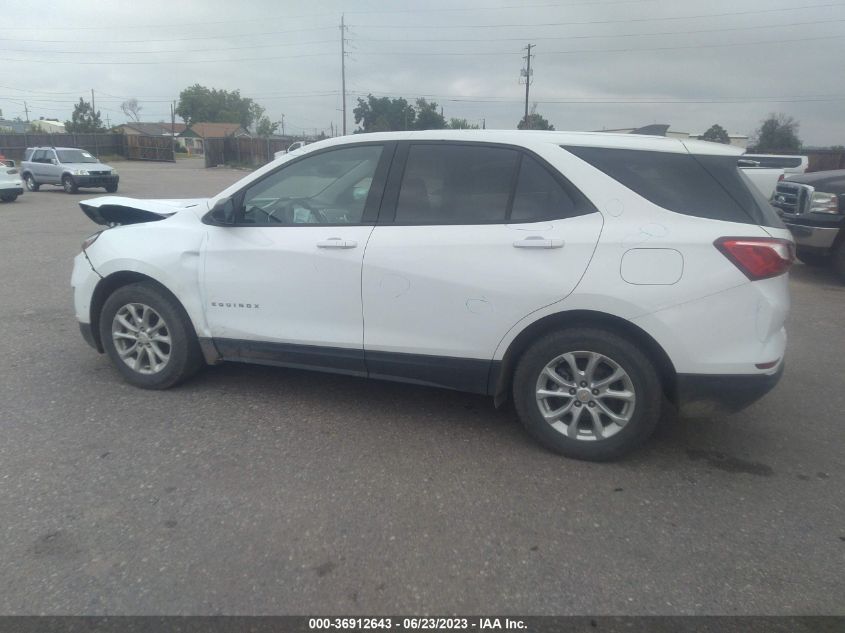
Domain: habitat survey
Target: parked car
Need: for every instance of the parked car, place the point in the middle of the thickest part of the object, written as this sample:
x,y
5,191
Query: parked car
x,y
790,164
589,277
813,208
297,145
10,181
68,167
764,178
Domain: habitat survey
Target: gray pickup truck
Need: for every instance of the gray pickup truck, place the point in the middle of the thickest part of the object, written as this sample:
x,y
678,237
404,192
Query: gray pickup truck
x,y
813,207
68,167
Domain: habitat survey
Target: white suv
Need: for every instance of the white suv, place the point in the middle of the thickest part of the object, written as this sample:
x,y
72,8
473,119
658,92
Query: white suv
x,y
589,277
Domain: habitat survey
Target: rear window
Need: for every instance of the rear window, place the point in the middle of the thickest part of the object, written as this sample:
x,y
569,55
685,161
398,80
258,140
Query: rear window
x,y
703,186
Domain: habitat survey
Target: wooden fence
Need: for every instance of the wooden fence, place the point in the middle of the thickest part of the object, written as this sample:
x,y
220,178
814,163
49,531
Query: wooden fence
x,y
243,150
132,147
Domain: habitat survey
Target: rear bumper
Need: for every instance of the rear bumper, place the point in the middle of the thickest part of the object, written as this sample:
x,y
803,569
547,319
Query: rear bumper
x,y
706,395
95,181
817,237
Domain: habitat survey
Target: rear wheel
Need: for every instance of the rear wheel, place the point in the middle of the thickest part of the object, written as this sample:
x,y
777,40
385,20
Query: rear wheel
x,y
148,336
587,393
31,185
812,259
69,184
111,188
9,197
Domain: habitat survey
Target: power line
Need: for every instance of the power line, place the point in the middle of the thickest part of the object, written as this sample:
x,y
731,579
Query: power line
x,y
169,50
325,14
622,21
170,39
608,50
643,100
156,63
610,36
424,53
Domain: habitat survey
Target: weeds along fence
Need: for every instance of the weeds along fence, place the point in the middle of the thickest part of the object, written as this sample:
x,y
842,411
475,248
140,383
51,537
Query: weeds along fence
x,y
129,146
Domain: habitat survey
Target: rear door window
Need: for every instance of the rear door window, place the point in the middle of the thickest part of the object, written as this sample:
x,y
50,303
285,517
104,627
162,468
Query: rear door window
x,y
540,196
702,185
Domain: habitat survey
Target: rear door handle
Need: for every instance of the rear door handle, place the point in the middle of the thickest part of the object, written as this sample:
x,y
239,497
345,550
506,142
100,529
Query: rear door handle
x,y
538,241
336,242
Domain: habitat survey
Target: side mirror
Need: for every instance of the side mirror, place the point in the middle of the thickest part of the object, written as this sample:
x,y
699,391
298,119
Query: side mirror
x,y
223,212
53,161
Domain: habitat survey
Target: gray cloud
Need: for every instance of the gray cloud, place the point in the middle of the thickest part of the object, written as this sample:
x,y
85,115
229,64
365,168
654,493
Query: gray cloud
x,y
728,69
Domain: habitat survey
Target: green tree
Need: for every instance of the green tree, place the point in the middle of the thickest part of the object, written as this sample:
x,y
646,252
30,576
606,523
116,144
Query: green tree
x,y
534,121
84,119
265,127
461,124
198,103
383,114
716,134
778,133
428,118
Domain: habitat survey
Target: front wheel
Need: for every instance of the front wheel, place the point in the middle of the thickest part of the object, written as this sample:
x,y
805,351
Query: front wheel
x,y
9,198
587,393
31,185
149,337
69,184
111,188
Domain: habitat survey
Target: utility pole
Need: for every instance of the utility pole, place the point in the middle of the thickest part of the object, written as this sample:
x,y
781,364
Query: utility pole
x,y
343,67
283,124
526,73
26,109
94,120
173,129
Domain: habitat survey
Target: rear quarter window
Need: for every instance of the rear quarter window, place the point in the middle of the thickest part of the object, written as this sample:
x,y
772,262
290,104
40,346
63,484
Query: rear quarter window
x,y
710,187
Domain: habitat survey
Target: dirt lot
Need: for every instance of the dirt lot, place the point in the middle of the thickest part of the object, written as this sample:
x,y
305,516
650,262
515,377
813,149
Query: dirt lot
x,y
254,490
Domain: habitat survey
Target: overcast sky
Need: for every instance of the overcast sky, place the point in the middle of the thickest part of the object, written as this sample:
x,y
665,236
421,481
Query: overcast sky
x,y
599,64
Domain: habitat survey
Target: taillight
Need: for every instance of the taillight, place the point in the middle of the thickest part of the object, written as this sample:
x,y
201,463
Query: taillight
x,y
781,177
758,257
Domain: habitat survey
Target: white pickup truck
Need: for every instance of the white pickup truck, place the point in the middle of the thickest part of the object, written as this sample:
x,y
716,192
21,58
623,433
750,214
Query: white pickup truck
x,y
766,179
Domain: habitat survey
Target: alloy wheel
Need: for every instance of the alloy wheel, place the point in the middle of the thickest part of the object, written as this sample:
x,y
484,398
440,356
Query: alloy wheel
x,y
141,338
585,395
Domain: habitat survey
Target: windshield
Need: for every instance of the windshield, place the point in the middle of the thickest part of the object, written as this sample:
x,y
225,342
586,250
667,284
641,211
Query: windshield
x,y
75,156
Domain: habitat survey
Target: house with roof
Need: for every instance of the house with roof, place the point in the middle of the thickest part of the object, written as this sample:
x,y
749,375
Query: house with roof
x,y
196,133
139,128
50,126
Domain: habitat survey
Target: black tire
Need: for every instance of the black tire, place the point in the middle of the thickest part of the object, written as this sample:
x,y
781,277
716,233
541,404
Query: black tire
x,y
837,261
69,184
10,198
644,413
30,183
812,259
185,357
111,188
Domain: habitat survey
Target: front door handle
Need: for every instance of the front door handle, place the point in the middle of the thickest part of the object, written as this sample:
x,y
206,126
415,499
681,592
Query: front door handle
x,y
336,242
538,241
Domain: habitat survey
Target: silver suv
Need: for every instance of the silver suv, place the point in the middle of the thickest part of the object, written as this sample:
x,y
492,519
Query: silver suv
x,y
66,166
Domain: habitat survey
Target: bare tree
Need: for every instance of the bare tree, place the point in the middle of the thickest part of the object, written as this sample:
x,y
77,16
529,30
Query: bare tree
x,y
132,109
